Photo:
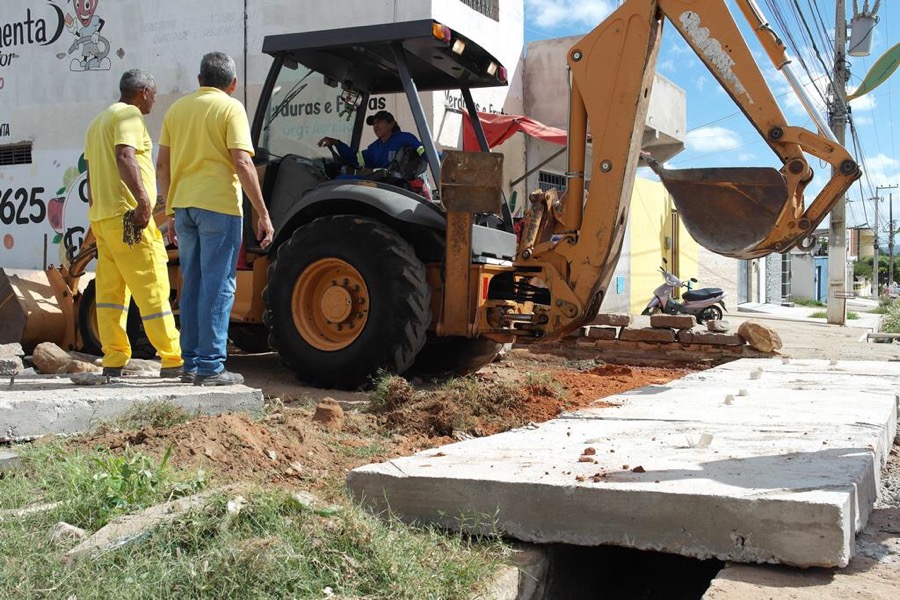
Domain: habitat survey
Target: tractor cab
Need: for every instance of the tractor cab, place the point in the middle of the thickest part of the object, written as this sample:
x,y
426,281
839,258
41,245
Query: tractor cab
x,y
325,84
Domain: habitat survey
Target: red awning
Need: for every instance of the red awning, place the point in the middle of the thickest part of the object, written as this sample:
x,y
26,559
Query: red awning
x,y
499,128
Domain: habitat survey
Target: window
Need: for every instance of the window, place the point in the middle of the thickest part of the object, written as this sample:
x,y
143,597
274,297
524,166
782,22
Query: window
x,y
15,154
551,181
489,8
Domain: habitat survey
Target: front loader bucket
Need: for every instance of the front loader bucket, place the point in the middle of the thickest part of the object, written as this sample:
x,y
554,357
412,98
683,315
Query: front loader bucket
x,y
728,210
32,310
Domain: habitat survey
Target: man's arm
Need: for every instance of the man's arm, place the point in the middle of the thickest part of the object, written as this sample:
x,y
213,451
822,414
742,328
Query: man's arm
x,y
87,176
246,172
163,181
130,172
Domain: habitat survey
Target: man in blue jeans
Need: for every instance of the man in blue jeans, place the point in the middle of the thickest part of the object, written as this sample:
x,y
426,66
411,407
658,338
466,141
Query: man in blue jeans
x,y
204,163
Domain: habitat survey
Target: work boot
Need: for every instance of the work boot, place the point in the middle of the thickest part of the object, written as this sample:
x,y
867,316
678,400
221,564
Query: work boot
x,y
188,376
112,371
171,372
223,377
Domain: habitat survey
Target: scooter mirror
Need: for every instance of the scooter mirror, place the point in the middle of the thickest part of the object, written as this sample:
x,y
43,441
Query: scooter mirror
x,y
694,280
665,262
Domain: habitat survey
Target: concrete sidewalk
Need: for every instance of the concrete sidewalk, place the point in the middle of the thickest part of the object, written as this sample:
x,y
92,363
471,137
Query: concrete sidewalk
x,y
734,463
38,405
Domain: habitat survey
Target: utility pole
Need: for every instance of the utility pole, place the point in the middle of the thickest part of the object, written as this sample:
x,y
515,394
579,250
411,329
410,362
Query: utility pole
x,y
891,242
878,189
836,310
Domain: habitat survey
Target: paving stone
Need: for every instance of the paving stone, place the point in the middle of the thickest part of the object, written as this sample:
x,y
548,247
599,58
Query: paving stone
x,y
9,460
688,336
602,333
673,321
646,334
612,320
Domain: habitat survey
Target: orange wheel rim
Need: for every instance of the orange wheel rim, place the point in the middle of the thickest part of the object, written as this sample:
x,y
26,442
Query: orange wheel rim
x,y
330,304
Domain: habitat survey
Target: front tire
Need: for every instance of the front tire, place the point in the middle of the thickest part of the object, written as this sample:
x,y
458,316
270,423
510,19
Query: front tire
x,y
347,298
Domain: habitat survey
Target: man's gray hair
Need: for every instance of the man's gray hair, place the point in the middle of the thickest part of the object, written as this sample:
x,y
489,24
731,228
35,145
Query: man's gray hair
x,y
217,70
134,81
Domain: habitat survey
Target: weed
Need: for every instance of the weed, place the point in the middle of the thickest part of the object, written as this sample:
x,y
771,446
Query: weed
x,y
158,414
390,391
890,322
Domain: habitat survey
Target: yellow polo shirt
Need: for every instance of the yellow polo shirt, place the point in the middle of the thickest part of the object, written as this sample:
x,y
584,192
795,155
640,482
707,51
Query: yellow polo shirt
x,y
120,124
200,130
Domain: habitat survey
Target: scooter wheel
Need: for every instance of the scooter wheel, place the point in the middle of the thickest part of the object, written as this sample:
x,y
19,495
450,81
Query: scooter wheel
x,y
710,313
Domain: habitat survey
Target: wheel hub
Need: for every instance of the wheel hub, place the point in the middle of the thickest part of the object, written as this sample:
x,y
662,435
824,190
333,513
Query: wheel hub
x,y
330,304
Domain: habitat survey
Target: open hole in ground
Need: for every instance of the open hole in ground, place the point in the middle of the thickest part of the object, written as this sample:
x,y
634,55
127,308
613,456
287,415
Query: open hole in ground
x,y
613,573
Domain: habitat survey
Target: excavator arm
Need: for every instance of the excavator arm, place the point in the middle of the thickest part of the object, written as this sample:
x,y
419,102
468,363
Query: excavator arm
x,y
571,244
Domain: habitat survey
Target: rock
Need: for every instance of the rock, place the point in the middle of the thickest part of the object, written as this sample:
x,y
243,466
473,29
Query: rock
x,y
64,532
50,358
11,350
602,333
10,365
760,337
79,366
717,326
330,414
646,334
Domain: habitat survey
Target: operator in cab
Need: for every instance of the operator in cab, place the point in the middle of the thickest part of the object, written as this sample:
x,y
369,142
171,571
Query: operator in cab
x,y
380,154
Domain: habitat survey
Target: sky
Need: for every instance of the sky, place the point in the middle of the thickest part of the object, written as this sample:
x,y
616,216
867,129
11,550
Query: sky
x,y
718,134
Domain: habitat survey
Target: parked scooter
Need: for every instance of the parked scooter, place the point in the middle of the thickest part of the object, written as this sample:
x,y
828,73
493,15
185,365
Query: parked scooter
x,y
704,303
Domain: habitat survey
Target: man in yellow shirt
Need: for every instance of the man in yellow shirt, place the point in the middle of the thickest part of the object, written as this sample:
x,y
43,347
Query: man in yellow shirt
x,y
204,163
121,178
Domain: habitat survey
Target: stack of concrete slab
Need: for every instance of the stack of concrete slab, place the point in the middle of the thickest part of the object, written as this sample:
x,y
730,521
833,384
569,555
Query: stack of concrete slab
x,y
755,461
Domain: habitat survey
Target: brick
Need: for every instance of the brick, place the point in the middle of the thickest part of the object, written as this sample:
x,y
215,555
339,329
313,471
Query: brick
x,y
707,337
612,320
717,326
602,333
646,334
673,321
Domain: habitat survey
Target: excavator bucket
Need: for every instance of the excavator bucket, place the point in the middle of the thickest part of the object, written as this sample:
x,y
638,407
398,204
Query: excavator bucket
x,y
727,210
34,308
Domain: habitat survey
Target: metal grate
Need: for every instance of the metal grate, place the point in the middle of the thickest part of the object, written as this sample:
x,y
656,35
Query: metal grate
x,y
786,277
551,181
17,154
489,8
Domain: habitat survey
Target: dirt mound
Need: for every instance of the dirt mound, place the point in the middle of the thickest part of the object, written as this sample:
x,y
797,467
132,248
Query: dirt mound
x,y
232,445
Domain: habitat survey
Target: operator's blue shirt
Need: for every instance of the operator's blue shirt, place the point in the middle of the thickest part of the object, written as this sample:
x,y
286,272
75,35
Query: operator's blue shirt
x,y
380,154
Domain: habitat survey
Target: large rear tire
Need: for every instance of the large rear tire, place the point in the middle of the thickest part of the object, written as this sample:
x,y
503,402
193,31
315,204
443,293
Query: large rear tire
x,y
455,355
710,313
141,347
347,298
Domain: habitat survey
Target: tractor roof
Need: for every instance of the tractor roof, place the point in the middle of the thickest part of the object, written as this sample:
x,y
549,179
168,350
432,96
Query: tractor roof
x,y
363,57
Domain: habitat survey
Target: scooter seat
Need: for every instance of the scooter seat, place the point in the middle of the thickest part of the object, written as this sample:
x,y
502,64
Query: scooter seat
x,y
702,294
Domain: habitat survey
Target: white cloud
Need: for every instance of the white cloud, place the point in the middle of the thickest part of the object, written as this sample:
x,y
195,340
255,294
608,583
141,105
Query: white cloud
x,y
553,13
700,82
666,65
746,156
712,139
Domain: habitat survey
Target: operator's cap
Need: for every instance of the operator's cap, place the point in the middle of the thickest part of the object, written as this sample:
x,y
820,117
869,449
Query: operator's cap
x,y
381,115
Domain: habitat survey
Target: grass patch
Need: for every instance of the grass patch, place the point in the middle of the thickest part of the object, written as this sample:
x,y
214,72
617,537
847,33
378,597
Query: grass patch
x,y
157,413
807,302
274,548
821,314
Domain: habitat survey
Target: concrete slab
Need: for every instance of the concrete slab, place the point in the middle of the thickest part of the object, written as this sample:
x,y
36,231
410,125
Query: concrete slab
x,y
36,406
874,572
779,475
9,460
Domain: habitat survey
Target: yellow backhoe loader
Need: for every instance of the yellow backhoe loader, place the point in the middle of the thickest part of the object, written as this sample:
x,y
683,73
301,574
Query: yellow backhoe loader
x,y
365,274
